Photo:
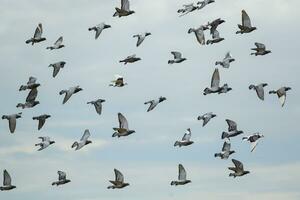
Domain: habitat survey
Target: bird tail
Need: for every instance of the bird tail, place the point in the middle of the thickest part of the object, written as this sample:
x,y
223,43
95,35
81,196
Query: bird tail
x,y
173,183
115,134
206,91
217,155
177,143
272,92
218,63
35,118
224,135
75,144
199,118
208,42
54,183
20,105
92,28
23,87
28,41
62,92
170,61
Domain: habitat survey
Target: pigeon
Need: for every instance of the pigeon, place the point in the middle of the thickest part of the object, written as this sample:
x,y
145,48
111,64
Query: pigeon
x,y
118,82
58,44
68,93
141,37
37,37
154,103
214,24
259,90
123,129
199,33
226,152
118,183
42,120
12,121
56,67
226,61
215,85
187,9
186,139
6,182
62,179
177,58
130,59
124,11
238,169
83,141
99,28
97,104
281,93
253,139
181,177
215,38
204,3
46,142
206,118
31,97
31,84
246,26
260,49
232,130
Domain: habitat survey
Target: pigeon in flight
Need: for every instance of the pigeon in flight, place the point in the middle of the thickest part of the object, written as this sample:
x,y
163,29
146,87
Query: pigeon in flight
x,y
118,82
141,37
118,183
6,182
215,38
83,141
31,84
37,37
215,85
226,61
226,152
214,24
58,44
154,103
99,28
260,49
181,177
130,59
62,179
186,139
56,67
12,121
206,118
97,104
124,11
259,90
232,130
30,99
177,58
253,139
41,119
123,129
204,3
68,93
46,142
199,33
281,93
238,169
187,9
246,26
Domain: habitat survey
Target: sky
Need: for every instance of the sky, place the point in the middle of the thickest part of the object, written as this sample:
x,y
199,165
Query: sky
x,y
148,158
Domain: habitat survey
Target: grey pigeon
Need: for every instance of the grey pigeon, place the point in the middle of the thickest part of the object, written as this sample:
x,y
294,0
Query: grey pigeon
x,y
204,3
58,44
246,26
177,58
56,67
68,93
83,141
259,90
206,118
181,177
154,103
215,85
118,81
123,129
260,49
130,59
199,33
31,97
214,24
186,139
281,93
97,104
253,139
215,38
37,37
118,183
232,130
238,169
31,84
124,10
99,28
41,119
62,179
141,37
46,142
226,61
226,152
6,182
187,9
12,121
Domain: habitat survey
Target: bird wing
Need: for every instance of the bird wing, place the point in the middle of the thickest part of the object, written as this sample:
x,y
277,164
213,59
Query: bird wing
x,y
200,36
226,146
56,69
152,105
260,92
67,96
12,124
238,164
31,80
176,54
182,172
6,178
119,176
125,5
58,41
86,135
132,56
232,126
98,107
44,139
215,34
205,120
187,136
260,45
140,40
282,99
32,95
61,175
41,123
215,80
228,56
38,31
253,145
246,19
122,121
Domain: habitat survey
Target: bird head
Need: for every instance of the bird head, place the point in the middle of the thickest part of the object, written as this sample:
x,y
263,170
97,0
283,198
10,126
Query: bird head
x,y
148,33
52,142
265,84
107,26
213,115
287,88
102,100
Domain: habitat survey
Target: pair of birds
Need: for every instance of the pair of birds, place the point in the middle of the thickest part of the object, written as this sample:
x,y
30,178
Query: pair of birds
x,y
31,85
187,8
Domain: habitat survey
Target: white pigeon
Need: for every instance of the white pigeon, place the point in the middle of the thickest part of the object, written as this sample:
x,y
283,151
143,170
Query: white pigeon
x,y
58,44
253,139
83,141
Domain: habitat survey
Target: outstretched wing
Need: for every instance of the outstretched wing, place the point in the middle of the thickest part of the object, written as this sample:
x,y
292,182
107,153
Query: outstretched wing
x,y
86,135
231,125
6,178
32,95
122,121
260,45
38,31
246,19
61,175
253,145
44,139
187,135
181,173
176,54
238,164
200,36
59,41
216,34
119,176
215,80
125,5
226,146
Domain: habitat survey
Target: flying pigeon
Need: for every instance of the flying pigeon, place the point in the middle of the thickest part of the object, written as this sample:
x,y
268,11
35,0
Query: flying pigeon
x,y
238,169
260,49
186,139
215,85
97,104
123,129
204,3
232,130
181,177
214,24
68,93
246,26
259,90
154,103
12,121
83,141
187,9
41,119
118,82
130,59
58,44
177,58
226,152
281,93
253,139
215,38
31,84
56,67
124,11
199,33
118,183
206,118
99,28
226,61
6,182
62,179
46,142
37,37
141,37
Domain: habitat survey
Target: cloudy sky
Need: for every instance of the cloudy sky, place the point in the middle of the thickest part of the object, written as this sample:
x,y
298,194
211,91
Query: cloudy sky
x,y
147,158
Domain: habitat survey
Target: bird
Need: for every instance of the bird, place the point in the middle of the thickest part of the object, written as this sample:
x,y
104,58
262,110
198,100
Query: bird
x,y
123,129
124,10
215,38
99,28
31,84
238,169
41,119
46,142
62,179
215,85
246,26
214,24
37,37
199,33
118,183
141,37
187,8
253,139
6,182
30,99
259,90
118,81
181,177
12,121
56,67
97,104
204,3
68,93
58,44
226,61
83,141
226,152
232,130
186,139
260,49
206,117
281,94
154,103
177,58
130,59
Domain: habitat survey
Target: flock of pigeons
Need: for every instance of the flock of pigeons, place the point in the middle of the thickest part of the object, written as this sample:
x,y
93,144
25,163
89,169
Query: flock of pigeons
x,y
123,128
